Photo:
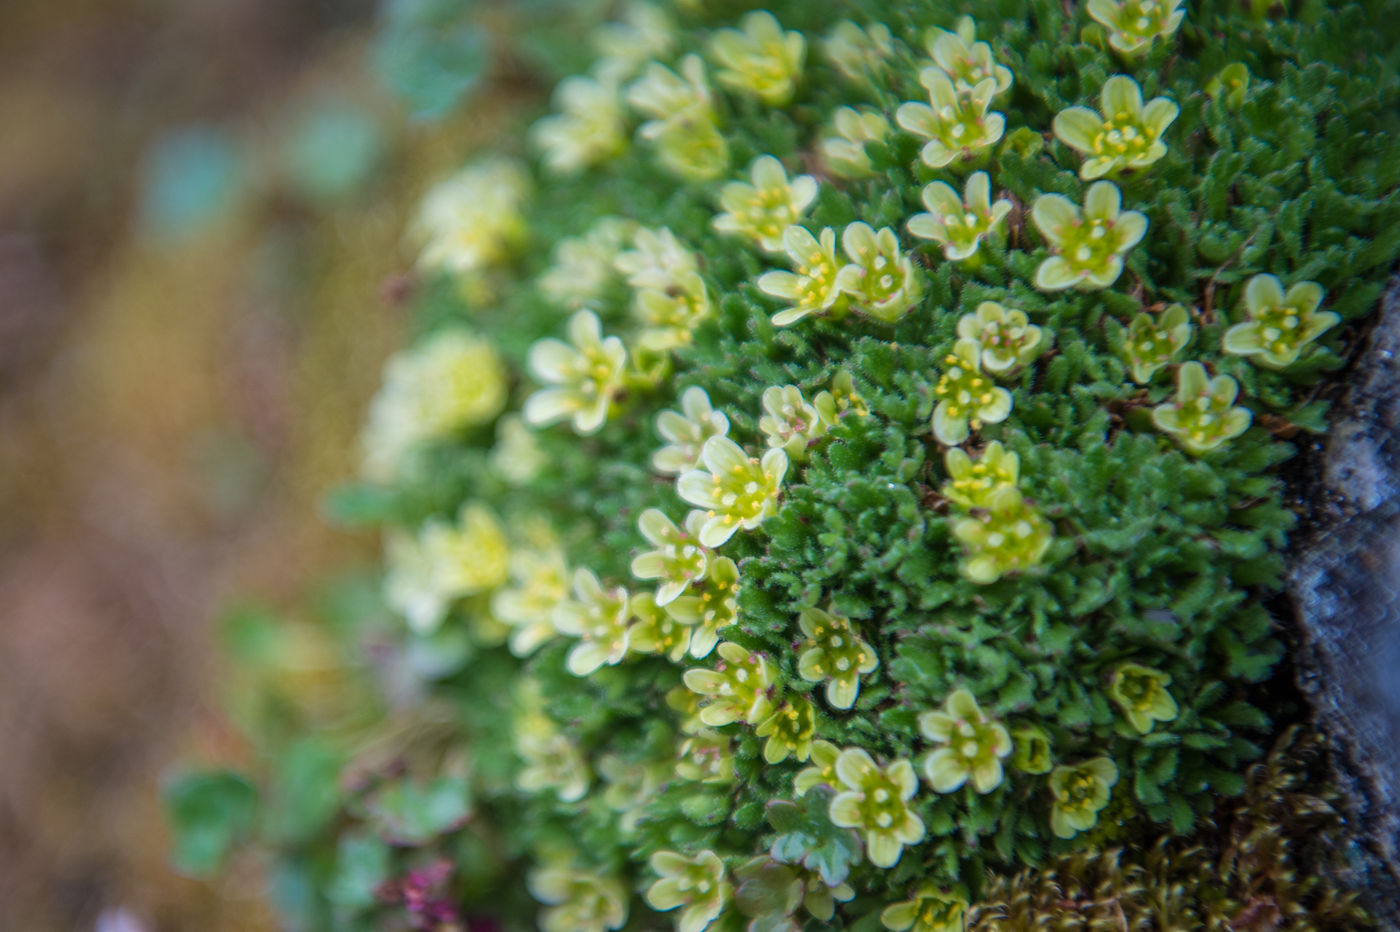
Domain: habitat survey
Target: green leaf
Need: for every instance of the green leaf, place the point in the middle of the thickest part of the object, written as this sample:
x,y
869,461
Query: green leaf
x,y
808,837
408,813
209,812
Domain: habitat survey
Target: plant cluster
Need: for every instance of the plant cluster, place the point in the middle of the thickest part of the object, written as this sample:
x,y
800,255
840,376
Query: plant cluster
x,y
869,487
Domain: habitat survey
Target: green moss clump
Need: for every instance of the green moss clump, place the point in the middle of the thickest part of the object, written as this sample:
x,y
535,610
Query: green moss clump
x,y
1113,546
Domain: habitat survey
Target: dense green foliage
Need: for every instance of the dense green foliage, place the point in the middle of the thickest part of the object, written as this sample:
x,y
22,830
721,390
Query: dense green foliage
x,y
1158,558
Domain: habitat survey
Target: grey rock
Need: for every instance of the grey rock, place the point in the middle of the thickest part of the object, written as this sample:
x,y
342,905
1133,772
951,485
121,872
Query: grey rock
x,y
1345,583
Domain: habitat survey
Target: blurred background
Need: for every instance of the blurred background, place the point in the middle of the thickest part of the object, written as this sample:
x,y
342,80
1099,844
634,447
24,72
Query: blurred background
x,y
202,269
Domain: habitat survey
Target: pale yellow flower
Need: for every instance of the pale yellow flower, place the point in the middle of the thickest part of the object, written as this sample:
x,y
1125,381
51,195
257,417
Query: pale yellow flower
x,y
965,60
473,220
759,58
1127,136
762,211
696,883
452,381
539,585
733,489
957,126
1133,25
444,562
583,376
578,900
880,279
581,268
967,398
589,127
959,223
686,431
599,618
877,801
843,144
814,287
860,54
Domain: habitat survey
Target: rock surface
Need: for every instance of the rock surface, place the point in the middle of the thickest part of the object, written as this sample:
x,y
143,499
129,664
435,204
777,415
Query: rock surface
x,y
1346,586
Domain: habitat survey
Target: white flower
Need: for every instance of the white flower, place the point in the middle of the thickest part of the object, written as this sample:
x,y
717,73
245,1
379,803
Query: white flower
x,y
598,617
957,126
586,376
859,54
676,557
539,585
789,422
642,34
656,260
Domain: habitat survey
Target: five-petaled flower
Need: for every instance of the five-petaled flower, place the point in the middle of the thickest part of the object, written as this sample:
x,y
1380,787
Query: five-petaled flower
x,y
959,224
1141,692
655,630
1011,535
835,653
1149,343
955,125
578,900
739,689
711,606
1080,791
1133,25
973,745
814,287
931,910
1280,324
860,54
843,145
880,279
789,729
875,800
676,557
697,883
972,483
686,431
1203,416
588,129
964,59
967,399
599,618
789,422
1088,246
822,770
1008,339
1127,135
683,128
762,211
759,58
734,489
585,376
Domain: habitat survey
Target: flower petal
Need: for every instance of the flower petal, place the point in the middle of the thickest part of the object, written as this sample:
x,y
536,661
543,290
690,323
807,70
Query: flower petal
x,y
1054,215
1263,291
1076,127
1120,97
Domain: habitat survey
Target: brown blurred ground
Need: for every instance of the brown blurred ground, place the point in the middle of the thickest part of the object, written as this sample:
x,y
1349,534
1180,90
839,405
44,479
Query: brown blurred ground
x,y
168,415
